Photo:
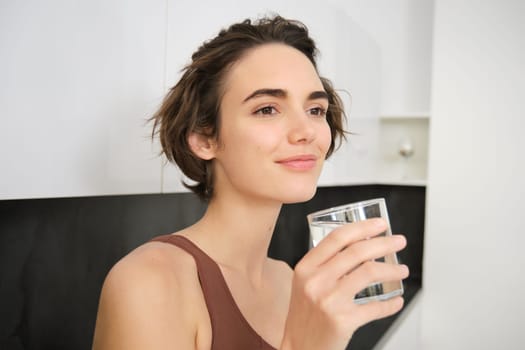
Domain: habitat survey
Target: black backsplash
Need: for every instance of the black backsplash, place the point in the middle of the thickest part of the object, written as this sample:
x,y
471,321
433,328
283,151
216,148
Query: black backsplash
x,y
55,254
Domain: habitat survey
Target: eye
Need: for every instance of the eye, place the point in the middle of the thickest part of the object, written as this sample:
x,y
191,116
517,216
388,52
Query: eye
x,y
266,110
317,111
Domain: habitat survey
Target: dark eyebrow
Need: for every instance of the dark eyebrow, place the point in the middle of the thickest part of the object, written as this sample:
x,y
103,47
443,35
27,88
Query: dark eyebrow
x,y
317,95
268,92
281,93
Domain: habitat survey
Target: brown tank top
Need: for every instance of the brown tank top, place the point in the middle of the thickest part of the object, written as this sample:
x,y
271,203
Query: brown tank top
x,y
230,330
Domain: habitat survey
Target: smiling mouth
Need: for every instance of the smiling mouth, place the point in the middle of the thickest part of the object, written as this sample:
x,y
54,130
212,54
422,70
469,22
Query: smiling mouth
x,y
303,162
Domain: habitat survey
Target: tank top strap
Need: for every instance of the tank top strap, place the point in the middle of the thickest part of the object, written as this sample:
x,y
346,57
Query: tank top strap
x,y
229,327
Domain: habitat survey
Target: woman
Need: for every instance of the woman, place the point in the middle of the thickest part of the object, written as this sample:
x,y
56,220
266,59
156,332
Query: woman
x,y
251,122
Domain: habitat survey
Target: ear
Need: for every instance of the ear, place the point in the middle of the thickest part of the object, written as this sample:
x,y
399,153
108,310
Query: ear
x,y
202,146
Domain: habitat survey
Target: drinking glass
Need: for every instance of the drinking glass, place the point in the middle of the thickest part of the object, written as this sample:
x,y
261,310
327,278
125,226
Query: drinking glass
x,y
322,222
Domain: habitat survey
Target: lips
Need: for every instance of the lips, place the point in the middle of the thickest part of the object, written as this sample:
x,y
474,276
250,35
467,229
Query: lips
x,y
299,162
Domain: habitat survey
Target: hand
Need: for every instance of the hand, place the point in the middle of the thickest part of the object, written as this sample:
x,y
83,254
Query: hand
x,y
322,312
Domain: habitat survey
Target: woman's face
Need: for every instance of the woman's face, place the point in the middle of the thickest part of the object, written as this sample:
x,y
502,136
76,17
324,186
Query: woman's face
x,y
273,134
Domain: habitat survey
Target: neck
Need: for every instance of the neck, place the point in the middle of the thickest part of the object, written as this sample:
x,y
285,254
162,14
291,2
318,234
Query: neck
x,y
236,233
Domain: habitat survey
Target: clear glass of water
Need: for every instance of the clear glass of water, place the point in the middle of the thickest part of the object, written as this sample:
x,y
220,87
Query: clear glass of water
x,y
321,223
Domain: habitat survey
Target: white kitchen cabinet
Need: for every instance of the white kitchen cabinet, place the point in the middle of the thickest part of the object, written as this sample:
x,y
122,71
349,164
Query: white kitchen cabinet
x,y
403,31
79,79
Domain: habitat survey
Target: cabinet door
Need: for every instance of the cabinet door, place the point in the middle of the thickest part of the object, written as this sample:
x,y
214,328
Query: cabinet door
x,y
79,80
403,31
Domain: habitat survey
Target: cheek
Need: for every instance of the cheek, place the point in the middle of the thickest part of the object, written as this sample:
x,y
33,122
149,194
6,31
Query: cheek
x,y
246,144
325,138
265,138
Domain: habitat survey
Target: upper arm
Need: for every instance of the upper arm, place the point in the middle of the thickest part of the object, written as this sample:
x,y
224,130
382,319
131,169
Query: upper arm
x,y
144,305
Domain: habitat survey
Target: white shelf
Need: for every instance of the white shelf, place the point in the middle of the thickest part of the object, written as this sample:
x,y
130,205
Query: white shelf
x,y
408,182
389,182
413,115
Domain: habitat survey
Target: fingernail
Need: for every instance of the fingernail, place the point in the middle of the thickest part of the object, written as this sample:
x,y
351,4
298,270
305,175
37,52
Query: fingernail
x,y
400,239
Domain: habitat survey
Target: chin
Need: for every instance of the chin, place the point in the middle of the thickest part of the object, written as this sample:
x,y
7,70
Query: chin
x,y
299,195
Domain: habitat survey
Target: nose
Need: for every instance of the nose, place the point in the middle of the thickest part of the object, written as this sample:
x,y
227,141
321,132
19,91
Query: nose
x,y
301,128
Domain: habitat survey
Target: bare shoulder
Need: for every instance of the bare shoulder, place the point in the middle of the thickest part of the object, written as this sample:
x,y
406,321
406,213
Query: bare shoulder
x,y
154,268
150,299
158,260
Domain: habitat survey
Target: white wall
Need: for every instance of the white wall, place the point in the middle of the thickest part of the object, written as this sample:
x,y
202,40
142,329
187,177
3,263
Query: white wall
x,y
473,267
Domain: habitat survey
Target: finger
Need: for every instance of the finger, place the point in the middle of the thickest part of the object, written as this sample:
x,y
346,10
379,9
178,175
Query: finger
x,y
369,273
354,255
375,310
341,237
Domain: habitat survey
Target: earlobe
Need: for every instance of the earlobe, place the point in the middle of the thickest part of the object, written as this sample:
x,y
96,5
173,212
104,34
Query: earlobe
x,y
202,146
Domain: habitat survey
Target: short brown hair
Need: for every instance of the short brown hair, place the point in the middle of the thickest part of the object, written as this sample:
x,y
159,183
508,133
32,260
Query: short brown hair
x,y
193,104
